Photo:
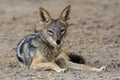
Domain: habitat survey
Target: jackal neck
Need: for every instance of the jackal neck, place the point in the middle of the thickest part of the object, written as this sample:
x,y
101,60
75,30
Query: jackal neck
x,y
49,51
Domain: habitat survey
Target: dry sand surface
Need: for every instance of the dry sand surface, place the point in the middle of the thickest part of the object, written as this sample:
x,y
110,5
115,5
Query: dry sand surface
x,y
94,33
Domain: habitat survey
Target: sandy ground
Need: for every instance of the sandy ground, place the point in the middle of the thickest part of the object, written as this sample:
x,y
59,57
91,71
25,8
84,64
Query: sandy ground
x,y
94,33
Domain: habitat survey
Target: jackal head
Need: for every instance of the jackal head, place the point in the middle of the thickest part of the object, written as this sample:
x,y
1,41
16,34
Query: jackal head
x,y
54,30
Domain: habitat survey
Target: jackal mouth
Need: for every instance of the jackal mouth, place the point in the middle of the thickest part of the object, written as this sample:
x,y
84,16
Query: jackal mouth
x,y
54,43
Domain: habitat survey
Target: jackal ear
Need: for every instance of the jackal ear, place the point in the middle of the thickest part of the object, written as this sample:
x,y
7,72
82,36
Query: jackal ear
x,y
65,14
44,16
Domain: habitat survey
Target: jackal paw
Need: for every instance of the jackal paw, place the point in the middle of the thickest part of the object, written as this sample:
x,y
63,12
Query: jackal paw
x,y
102,68
60,70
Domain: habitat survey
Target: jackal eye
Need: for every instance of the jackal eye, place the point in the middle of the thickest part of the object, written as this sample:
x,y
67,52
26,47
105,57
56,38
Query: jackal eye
x,y
62,31
50,32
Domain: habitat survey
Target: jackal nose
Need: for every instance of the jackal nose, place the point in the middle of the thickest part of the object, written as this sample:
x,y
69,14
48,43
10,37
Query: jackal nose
x,y
58,41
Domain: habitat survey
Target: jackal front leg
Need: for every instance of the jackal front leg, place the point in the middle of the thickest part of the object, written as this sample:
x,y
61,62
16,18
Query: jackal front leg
x,y
39,64
72,65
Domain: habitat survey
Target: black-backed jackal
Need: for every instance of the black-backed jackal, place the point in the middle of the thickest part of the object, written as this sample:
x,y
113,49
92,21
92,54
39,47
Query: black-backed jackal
x,y
43,50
